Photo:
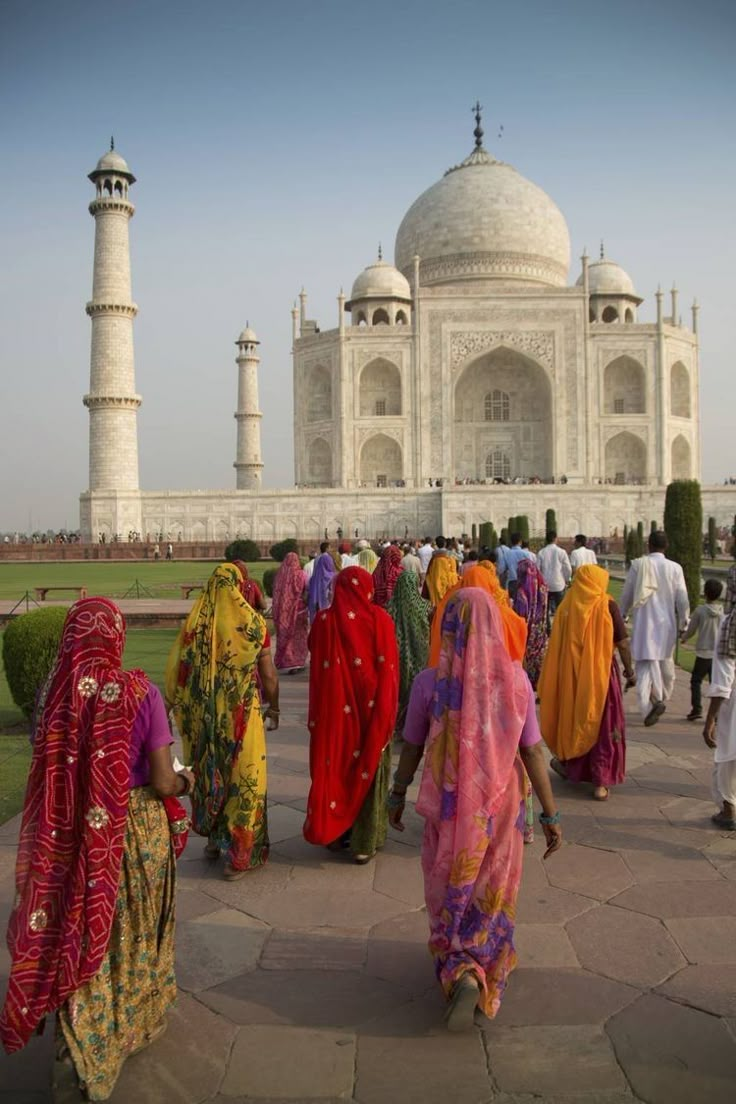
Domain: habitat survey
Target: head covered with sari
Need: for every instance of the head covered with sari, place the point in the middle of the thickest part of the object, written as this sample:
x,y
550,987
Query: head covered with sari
x,y
410,613
482,575
386,574
472,798
367,559
321,583
211,686
73,827
576,671
441,575
530,602
290,613
353,690
248,587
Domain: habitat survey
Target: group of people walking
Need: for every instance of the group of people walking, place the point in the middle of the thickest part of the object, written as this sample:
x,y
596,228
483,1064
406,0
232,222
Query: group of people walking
x,y
438,652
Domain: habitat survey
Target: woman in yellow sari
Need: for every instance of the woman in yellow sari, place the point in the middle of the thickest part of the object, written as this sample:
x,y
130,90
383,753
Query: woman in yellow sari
x,y
482,575
212,688
441,574
582,711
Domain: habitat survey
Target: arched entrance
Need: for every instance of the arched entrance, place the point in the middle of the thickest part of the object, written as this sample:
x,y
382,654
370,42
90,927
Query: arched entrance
x,y
381,462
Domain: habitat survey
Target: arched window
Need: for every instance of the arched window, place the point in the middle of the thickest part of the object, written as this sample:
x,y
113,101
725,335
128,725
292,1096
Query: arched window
x,y
119,188
610,314
629,316
624,387
498,465
361,319
496,406
318,394
380,317
108,187
680,391
380,382
401,319
680,458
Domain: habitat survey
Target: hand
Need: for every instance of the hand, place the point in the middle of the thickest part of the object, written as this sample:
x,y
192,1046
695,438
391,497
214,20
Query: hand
x,y
708,731
553,836
395,814
630,681
189,778
272,716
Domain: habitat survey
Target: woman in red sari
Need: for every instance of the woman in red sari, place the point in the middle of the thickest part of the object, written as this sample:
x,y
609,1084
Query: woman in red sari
x,y
353,696
387,571
250,589
92,932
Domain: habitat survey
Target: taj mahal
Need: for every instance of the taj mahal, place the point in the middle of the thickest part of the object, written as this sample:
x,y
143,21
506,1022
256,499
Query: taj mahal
x,y
470,380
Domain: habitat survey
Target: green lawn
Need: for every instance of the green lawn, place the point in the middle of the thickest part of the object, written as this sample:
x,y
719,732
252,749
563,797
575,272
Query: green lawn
x,y
113,580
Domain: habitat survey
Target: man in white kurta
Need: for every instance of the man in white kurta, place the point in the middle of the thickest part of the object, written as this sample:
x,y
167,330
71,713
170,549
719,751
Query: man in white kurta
x,y
720,725
655,592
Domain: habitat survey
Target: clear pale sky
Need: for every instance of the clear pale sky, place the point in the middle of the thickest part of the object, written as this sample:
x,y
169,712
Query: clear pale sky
x,y
276,144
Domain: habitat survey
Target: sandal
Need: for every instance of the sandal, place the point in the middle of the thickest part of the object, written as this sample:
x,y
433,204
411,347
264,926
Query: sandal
x,y
361,860
558,767
600,793
460,1014
230,874
723,821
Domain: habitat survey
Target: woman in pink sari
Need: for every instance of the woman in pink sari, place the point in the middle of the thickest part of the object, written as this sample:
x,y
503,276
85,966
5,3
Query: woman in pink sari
x,y
289,612
476,714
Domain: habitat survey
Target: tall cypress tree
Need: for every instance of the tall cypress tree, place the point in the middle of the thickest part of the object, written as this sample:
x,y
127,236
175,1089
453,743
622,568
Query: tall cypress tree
x,y
683,524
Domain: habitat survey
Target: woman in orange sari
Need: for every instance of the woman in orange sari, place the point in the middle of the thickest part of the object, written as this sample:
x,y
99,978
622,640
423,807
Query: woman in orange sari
x,y
482,575
582,709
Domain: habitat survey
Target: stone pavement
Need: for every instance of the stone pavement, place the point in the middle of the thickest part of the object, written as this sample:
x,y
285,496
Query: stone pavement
x,y
310,979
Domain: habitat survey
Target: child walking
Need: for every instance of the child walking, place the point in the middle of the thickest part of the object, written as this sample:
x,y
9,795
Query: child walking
x,y
705,622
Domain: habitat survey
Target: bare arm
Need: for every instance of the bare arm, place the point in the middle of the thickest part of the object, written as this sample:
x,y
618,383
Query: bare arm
x,y
624,650
536,767
270,683
409,760
165,781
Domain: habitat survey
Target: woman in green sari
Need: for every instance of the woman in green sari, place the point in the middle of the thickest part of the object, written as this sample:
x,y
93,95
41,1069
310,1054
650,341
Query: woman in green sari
x,y
410,613
212,688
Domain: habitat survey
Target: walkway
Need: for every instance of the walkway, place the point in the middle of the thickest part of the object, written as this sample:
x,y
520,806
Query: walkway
x,y
310,980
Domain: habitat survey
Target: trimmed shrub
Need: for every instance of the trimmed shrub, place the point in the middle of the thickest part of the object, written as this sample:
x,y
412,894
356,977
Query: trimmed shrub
x,y
550,521
245,550
640,538
712,538
30,644
505,538
485,534
631,548
683,524
474,534
268,577
281,549
653,526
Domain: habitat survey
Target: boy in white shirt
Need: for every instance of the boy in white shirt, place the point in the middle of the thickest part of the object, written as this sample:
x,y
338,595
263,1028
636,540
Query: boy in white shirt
x,y
705,621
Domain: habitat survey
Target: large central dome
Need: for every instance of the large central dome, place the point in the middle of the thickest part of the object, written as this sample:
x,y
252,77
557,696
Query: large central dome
x,y
484,221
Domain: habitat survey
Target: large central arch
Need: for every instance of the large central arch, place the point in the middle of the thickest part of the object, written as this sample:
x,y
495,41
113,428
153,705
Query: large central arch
x,y
503,402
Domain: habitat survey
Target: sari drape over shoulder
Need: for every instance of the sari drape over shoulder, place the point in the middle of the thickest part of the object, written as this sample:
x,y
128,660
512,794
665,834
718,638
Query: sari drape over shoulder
x,y
289,613
530,602
441,575
211,685
353,691
514,627
574,683
472,798
74,818
410,614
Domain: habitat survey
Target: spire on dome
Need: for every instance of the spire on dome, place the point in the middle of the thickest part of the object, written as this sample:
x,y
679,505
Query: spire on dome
x,y
478,132
603,251
112,142
380,252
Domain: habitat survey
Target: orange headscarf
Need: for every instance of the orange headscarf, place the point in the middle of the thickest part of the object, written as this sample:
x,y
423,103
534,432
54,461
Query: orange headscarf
x,y
514,627
577,668
441,575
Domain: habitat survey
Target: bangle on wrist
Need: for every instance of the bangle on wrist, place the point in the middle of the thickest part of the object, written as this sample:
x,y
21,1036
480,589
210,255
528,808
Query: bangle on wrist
x,y
395,801
554,819
185,780
405,782
273,709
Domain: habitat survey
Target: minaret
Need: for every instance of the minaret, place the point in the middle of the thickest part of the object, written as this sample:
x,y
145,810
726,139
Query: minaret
x,y
112,400
248,463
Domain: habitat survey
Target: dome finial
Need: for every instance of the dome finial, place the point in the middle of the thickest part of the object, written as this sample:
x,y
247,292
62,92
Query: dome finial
x,y
478,132
603,251
380,252
112,142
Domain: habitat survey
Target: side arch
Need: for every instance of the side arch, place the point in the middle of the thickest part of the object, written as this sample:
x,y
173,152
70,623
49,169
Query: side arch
x,y
680,405
624,387
381,461
626,459
380,389
319,463
318,395
681,458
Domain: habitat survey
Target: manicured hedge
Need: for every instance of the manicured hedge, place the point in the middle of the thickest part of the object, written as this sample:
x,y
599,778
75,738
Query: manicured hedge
x,y
30,644
683,524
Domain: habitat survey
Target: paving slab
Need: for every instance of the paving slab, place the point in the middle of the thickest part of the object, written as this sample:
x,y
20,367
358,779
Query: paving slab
x,y
674,1055
398,876
680,899
284,822
324,948
560,996
705,939
540,945
625,946
587,871
710,987
553,1059
320,998
412,1070
398,952
547,905
677,864
216,946
289,1063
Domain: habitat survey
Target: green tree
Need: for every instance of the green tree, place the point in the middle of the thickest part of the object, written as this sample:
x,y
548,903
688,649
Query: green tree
x,y
631,548
712,541
550,520
245,550
268,580
485,534
281,549
504,538
474,534
683,524
30,644
653,526
639,538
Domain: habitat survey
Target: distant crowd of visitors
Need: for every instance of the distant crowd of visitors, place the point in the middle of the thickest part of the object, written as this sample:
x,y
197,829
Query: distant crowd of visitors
x,y
445,647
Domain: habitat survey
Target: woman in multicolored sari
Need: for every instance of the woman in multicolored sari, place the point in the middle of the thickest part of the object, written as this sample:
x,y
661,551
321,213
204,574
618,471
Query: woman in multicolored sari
x,y
410,613
353,694
92,932
582,707
530,602
212,689
289,612
475,714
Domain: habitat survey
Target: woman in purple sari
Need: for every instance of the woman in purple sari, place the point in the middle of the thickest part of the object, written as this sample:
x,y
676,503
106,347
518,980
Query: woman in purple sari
x,y
530,603
321,585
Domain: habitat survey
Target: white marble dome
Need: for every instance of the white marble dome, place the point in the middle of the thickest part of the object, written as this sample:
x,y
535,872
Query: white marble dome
x,y
608,278
484,220
380,281
247,337
112,162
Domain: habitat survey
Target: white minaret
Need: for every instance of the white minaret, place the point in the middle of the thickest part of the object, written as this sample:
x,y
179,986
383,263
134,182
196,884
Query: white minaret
x,y
248,463
112,400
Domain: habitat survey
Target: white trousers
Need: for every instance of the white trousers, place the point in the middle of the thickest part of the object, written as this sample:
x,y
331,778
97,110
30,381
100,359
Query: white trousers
x,y
655,681
724,782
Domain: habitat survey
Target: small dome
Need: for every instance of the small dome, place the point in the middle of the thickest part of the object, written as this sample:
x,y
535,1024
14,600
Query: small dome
x,y
112,162
380,281
483,220
608,278
247,337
